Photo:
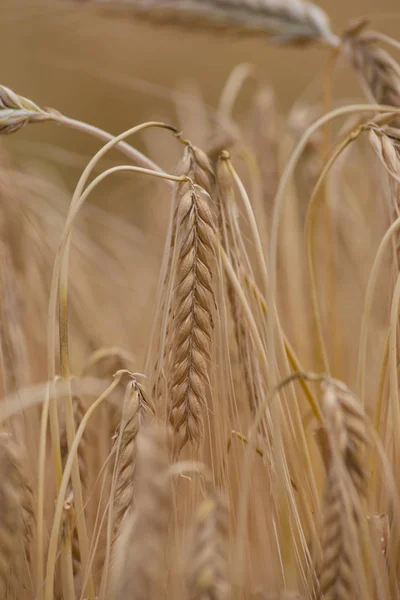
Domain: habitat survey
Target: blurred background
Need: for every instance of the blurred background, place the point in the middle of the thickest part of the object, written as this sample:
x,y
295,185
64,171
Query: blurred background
x,y
68,54
116,71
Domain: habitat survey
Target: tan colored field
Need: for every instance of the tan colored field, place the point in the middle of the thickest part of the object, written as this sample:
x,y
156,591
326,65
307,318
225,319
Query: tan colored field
x,y
199,322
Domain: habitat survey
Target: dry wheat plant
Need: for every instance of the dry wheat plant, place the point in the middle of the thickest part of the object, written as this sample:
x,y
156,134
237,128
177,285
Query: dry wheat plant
x,y
240,437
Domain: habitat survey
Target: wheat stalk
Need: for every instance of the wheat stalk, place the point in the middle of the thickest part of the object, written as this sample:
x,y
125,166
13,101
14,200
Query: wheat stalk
x,y
283,21
83,450
140,548
208,567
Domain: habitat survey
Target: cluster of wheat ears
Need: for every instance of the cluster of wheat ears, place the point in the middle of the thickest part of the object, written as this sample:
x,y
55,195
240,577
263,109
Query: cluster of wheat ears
x,y
239,437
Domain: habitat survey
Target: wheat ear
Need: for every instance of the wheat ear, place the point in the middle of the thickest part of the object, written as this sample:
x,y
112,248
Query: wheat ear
x,y
17,111
136,405
378,71
345,488
283,21
196,165
141,545
17,515
192,313
208,570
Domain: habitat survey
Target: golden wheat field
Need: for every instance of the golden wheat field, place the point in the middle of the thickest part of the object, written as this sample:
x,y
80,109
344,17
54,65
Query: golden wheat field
x,y
199,300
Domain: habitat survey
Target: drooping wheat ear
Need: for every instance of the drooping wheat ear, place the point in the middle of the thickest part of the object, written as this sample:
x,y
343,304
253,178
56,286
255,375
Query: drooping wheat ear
x,y
17,514
209,564
345,488
140,548
193,305
283,21
17,111
378,71
137,404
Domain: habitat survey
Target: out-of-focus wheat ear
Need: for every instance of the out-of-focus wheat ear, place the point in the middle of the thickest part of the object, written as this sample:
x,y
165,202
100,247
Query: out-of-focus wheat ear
x,y
378,71
14,355
139,553
17,111
385,143
208,567
136,405
341,575
294,22
17,517
193,306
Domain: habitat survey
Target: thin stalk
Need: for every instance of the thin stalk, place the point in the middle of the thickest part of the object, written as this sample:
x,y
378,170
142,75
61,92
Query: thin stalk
x,y
64,353
366,317
252,222
280,199
55,531
60,278
309,230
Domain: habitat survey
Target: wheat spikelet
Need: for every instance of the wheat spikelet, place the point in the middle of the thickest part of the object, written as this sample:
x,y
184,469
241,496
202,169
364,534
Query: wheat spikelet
x,y
137,404
283,21
17,111
192,317
378,71
208,571
344,490
141,546
17,516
